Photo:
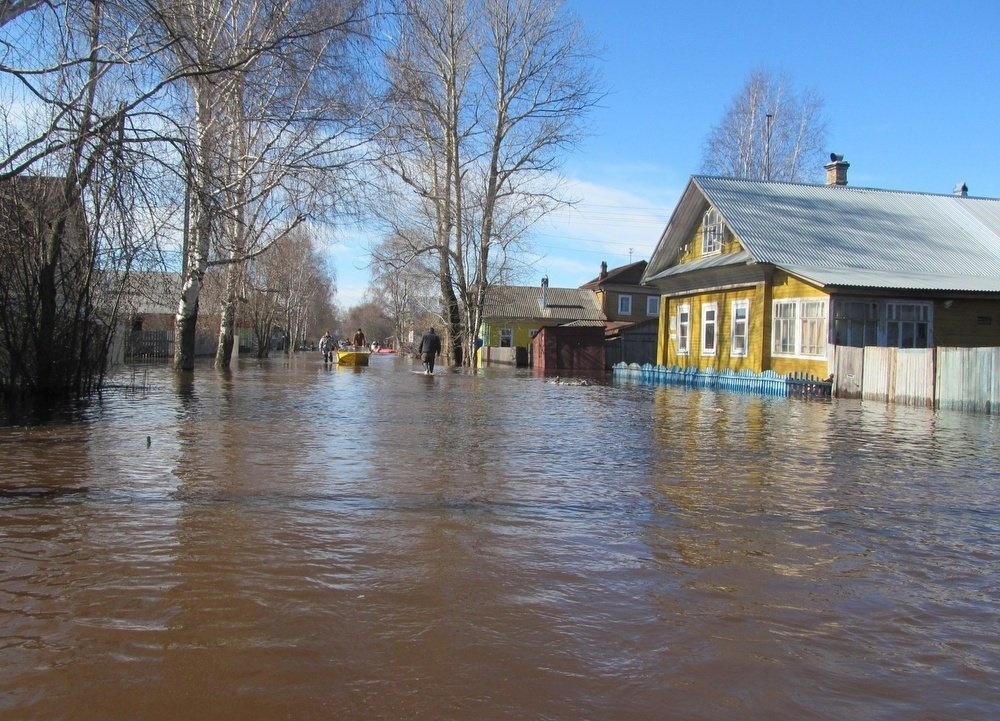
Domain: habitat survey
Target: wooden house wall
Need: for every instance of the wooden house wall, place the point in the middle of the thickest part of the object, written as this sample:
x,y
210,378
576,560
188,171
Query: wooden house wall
x,y
722,359
759,357
785,287
520,332
692,246
967,323
492,352
609,304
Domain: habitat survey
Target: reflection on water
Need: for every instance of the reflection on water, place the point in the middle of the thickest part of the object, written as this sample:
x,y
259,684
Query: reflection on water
x,y
293,541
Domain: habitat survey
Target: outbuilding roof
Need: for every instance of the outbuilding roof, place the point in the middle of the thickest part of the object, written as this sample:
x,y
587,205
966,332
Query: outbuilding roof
x,y
845,236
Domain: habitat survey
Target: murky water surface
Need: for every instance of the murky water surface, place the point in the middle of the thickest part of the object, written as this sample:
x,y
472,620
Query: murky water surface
x,y
299,542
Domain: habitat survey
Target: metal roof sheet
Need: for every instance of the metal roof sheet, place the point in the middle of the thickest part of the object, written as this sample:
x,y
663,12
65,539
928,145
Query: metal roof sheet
x,y
525,302
839,235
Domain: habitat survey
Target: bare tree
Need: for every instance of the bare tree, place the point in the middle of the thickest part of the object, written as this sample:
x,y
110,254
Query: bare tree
x,y
402,284
485,96
284,288
268,126
13,9
71,166
768,132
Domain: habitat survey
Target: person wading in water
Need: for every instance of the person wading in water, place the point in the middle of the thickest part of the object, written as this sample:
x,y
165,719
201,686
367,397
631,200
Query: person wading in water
x,y
430,347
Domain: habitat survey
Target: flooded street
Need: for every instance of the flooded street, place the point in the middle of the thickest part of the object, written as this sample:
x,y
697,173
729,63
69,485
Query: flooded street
x,y
290,541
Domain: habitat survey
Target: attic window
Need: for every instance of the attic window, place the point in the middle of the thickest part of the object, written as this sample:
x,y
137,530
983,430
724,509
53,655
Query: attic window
x,y
712,229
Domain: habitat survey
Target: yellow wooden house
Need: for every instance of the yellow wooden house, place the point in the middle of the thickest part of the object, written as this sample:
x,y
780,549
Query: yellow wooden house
x,y
758,276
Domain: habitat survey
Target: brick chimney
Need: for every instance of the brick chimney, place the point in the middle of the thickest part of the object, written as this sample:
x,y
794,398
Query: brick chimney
x,y
545,291
836,170
604,269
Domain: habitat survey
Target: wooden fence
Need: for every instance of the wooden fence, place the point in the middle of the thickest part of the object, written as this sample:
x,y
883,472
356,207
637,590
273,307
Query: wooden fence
x,y
964,379
157,345
744,381
969,379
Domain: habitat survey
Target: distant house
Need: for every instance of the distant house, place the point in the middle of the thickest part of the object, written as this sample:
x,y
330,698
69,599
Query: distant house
x,y
771,276
632,311
149,311
514,315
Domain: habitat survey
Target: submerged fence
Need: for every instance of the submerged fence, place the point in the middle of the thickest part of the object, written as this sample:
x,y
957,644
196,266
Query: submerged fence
x,y
963,379
767,383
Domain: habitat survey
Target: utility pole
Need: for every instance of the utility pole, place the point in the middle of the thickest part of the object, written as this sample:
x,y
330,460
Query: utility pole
x,y
768,121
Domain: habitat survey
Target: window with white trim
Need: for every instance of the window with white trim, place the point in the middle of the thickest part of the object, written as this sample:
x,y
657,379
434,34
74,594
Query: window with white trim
x,y
740,330
624,305
712,229
709,326
683,330
907,325
506,338
652,305
799,327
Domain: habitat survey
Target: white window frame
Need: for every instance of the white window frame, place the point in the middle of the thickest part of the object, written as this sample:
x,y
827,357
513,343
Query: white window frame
x,y
712,231
709,320
813,328
652,305
507,333
739,339
799,327
683,329
624,304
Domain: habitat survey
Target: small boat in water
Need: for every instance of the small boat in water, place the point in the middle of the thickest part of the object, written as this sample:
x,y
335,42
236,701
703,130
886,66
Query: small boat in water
x,y
353,356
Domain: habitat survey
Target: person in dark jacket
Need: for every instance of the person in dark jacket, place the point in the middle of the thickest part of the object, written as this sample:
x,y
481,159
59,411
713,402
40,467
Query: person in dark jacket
x,y
430,347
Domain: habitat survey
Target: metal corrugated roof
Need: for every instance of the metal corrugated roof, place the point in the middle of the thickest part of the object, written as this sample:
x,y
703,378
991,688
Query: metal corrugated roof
x,y
525,302
839,235
709,261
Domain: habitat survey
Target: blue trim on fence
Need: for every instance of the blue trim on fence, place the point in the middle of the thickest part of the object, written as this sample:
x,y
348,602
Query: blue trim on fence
x,y
767,383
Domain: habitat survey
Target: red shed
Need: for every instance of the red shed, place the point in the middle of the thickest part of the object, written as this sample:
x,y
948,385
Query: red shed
x,y
576,346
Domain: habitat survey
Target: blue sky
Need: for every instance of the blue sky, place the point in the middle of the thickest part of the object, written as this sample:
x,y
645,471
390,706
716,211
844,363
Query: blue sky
x,y
911,91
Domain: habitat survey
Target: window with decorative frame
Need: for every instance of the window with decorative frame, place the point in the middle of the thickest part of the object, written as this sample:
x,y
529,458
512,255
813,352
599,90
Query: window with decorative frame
x,y
652,305
712,230
740,329
624,305
506,338
709,327
683,330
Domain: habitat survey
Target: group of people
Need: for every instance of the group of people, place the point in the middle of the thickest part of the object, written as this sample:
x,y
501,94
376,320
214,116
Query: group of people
x,y
328,346
429,347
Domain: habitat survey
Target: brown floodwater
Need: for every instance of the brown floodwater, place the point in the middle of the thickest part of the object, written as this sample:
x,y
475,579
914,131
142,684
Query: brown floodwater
x,y
293,541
